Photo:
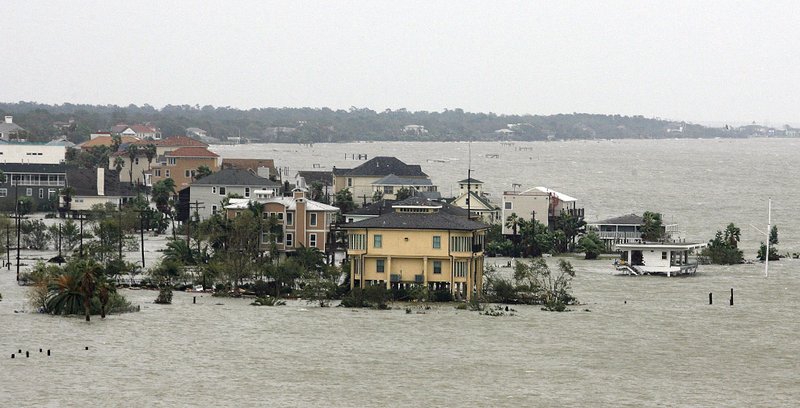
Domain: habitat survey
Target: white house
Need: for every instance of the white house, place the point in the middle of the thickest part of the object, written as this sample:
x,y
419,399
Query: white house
x,y
35,153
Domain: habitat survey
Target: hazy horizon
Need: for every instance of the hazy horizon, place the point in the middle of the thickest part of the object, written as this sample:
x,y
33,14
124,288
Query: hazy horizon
x,y
706,63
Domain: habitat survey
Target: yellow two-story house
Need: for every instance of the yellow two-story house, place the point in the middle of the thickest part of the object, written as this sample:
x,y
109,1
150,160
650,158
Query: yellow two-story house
x,y
420,242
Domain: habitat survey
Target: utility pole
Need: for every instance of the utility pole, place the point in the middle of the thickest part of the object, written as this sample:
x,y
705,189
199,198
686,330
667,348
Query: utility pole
x,y
8,245
17,217
141,231
119,226
81,217
197,207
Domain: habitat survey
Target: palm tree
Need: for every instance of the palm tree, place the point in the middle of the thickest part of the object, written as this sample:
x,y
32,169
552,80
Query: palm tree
x,y
150,152
88,286
178,250
733,235
512,221
133,153
119,163
65,295
66,195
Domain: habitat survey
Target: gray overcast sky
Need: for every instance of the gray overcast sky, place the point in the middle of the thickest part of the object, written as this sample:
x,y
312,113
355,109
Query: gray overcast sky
x,y
703,61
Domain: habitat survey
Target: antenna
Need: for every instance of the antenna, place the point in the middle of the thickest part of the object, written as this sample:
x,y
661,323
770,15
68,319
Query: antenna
x,y
769,226
469,178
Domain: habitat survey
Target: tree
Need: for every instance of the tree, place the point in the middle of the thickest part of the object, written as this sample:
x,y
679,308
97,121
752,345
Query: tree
x,y
652,228
119,163
732,235
722,249
591,245
773,242
535,238
202,171
25,206
319,286
66,196
133,153
571,225
404,193
150,153
344,201
535,280
162,192
317,192
116,141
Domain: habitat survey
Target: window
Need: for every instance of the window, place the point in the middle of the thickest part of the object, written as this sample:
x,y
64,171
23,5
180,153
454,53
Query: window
x,y
289,240
349,182
437,267
437,242
312,240
380,265
213,209
166,174
213,189
158,172
357,241
189,173
508,205
663,255
460,269
3,192
222,191
377,241
312,219
247,192
388,189
28,192
280,216
289,218
41,193
171,161
51,192
136,161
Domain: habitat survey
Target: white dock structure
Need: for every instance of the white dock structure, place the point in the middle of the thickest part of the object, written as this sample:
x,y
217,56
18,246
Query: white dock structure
x,y
669,258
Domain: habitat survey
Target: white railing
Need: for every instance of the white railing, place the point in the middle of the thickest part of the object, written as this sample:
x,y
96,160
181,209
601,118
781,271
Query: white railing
x,y
37,183
619,235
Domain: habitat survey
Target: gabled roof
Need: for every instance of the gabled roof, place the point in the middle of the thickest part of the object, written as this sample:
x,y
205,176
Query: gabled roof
x,y
10,128
393,180
191,152
143,129
235,177
560,196
479,199
435,220
470,181
384,166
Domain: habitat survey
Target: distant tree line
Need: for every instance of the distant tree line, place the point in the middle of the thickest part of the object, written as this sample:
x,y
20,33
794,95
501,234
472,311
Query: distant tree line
x,y
312,125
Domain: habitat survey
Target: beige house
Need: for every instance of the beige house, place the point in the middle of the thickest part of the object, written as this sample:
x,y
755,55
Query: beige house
x,y
143,170
361,180
181,165
539,203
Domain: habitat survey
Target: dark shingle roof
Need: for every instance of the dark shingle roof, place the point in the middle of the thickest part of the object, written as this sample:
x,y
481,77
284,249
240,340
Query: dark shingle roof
x,y
470,180
384,166
84,181
436,220
235,177
323,177
33,168
629,219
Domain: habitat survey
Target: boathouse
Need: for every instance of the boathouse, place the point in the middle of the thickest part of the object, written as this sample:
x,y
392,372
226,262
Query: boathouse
x,y
668,258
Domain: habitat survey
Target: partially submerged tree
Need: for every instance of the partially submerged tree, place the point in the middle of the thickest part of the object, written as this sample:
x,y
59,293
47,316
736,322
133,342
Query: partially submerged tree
x,y
723,249
652,228
591,245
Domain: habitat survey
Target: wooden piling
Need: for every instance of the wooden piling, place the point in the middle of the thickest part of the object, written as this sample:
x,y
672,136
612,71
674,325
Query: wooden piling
x,y
194,300
48,352
731,296
710,298
12,355
27,354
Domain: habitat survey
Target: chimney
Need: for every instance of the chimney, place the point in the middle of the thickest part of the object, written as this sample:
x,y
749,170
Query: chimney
x,y
9,119
101,181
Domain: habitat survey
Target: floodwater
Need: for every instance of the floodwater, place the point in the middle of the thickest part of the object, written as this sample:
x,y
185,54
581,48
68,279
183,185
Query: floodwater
x,y
644,341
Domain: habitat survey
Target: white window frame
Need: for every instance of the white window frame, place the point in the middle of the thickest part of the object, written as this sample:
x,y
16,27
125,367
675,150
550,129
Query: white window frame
x,y
312,240
289,239
312,219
